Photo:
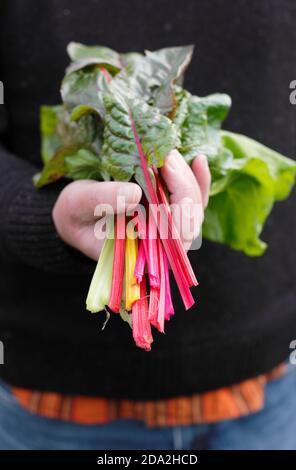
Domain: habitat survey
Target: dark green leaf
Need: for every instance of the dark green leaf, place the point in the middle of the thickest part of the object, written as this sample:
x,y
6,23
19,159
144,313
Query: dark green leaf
x,y
62,137
50,117
94,135
77,51
199,121
119,153
84,88
154,75
168,67
85,56
54,169
83,165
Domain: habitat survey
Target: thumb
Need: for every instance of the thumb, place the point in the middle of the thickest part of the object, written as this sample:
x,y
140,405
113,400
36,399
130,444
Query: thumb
x,y
109,196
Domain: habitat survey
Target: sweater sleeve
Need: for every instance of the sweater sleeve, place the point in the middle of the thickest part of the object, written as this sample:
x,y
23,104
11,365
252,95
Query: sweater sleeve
x,y
27,232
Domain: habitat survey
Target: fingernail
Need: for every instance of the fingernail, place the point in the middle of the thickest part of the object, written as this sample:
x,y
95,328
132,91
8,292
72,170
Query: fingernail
x,y
202,158
131,192
172,161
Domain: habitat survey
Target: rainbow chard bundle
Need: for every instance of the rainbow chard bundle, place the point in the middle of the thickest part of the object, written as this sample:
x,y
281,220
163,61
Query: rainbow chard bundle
x,y
121,114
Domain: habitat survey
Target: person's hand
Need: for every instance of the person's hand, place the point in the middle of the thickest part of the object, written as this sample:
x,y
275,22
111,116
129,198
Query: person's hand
x,y
189,193
74,211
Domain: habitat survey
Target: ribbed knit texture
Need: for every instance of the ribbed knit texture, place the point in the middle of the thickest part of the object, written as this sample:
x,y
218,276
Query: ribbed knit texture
x,y
27,231
245,315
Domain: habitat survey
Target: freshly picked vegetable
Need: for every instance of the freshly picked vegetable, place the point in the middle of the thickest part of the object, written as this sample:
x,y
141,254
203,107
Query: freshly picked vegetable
x,y
121,114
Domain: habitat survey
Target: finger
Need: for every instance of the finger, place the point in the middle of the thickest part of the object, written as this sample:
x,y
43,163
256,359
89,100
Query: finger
x,y
87,242
188,220
202,174
95,198
179,178
185,196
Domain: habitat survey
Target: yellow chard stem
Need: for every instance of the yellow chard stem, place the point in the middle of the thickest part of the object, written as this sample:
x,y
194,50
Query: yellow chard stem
x,y
132,288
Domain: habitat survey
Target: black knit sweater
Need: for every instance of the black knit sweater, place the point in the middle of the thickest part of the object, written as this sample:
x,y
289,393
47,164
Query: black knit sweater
x,y
245,316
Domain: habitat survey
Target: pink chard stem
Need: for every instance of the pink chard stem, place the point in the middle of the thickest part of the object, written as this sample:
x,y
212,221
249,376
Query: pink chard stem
x,y
162,291
153,262
182,255
140,323
118,264
172,250
153,306
169,308
141,263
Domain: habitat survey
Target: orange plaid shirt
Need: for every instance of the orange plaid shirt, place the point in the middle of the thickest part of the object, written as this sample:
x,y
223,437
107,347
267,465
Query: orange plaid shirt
x,y
225,403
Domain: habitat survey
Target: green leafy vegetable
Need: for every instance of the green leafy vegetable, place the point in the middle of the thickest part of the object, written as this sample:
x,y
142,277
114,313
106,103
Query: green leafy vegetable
x,y
81,92
199,121
242,199
50,119
77,51
63,138
110,96
119,153
83,165
85,56
54,169
155,74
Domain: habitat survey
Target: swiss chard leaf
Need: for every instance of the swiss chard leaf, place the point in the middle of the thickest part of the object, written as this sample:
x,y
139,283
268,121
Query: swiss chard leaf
x,y
112,99
82,92
78,51
247,177
199,121
62,137
54,169
243,196
150,77
281,170
154,75
84,56
157,133
51,118
83,165
168,67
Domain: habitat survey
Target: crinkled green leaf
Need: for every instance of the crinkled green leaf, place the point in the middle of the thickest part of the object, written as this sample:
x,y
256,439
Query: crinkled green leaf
x,y
168,67
61,137
90,63
153,75
199,121
54,169
59,130
78,51
71,162
281,170
83,165
236,215
157,133
110,98
50,117
82,90
84,56
80,111
241,202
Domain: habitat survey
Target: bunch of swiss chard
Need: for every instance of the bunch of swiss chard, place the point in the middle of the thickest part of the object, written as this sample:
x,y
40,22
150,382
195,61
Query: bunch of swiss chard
x,y
121,114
